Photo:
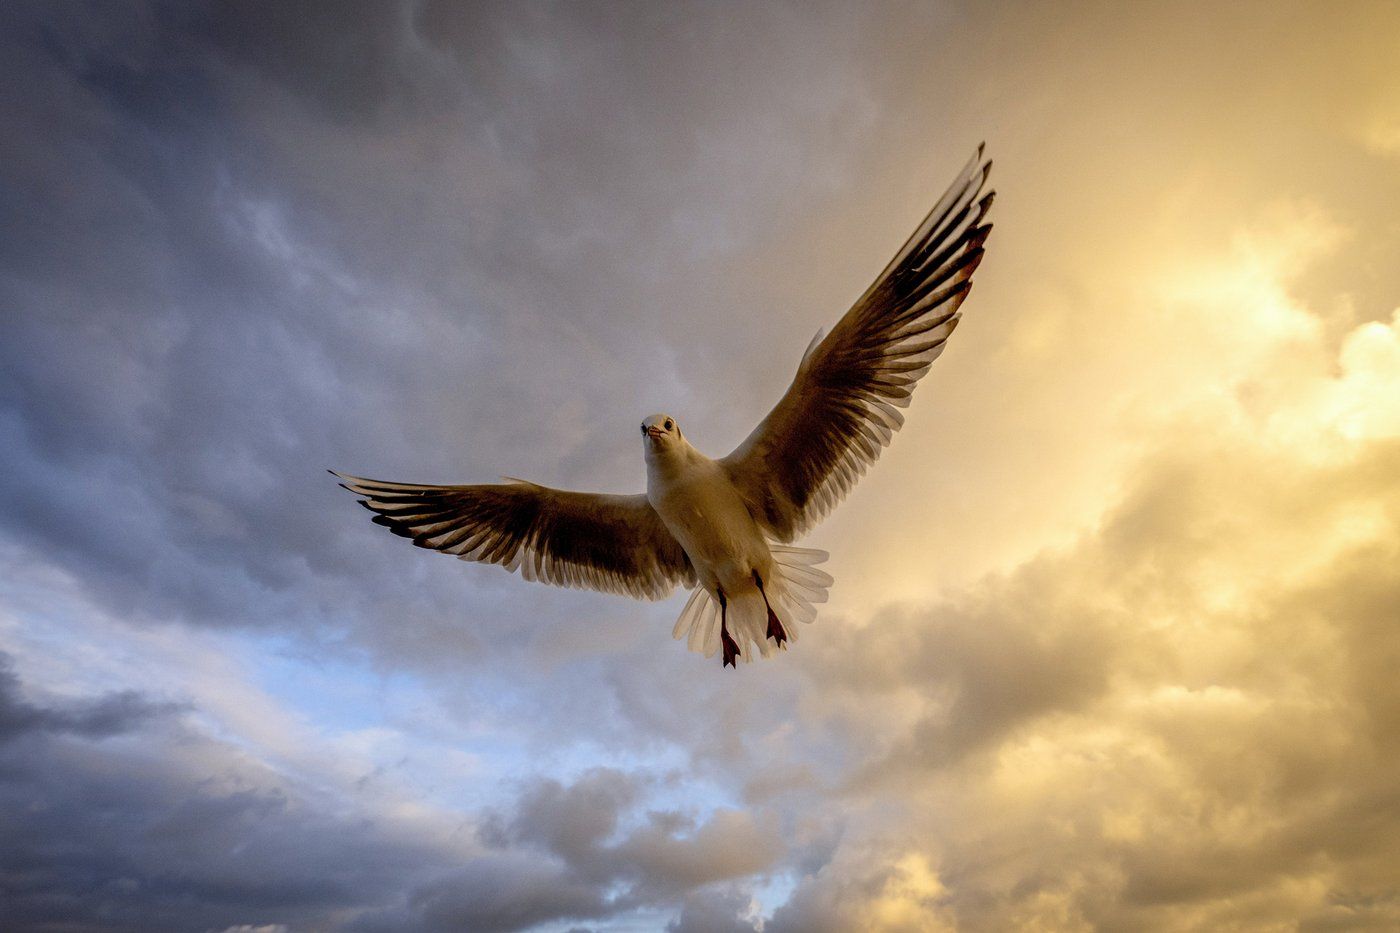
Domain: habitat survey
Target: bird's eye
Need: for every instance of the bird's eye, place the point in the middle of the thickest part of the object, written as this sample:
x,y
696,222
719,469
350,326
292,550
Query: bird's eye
x,y
669,424
644,429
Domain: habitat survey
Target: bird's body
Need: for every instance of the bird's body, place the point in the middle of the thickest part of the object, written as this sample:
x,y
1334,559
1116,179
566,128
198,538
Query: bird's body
x,y
704,511
700,507
724,527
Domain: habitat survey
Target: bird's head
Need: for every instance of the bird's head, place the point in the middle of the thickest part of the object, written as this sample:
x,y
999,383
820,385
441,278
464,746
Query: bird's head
x,y
661,433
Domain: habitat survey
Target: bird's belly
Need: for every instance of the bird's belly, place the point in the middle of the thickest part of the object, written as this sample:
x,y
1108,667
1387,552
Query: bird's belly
x,y
718,534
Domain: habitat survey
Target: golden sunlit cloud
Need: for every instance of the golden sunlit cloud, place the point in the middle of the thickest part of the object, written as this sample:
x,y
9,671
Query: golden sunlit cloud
x,y
1173,723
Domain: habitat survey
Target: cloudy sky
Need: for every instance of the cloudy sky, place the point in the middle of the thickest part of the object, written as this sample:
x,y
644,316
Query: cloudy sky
x,y
1114,638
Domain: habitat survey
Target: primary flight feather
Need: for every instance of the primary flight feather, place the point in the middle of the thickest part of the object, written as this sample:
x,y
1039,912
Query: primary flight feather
x,y
724,527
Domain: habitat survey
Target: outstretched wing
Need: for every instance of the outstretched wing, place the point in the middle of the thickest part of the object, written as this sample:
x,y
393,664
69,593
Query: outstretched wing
x,y
843,406
616,544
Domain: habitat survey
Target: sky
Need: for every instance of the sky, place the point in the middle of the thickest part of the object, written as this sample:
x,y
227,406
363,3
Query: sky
x,y
1116,621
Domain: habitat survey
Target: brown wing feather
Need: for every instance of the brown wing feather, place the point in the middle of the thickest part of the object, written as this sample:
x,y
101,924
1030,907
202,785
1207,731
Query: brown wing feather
x,y
842,408
616,544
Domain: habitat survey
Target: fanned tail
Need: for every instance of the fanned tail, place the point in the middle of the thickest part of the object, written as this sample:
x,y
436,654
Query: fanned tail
x,y
794,593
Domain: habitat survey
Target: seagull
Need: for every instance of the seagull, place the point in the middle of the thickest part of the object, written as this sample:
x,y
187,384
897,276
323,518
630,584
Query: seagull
x,y
725,527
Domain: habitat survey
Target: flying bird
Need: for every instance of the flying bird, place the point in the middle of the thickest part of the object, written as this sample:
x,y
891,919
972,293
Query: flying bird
x,y
724,527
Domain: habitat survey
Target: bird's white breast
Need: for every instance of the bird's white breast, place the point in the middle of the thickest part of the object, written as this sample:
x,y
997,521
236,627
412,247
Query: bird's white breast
x,y
695,498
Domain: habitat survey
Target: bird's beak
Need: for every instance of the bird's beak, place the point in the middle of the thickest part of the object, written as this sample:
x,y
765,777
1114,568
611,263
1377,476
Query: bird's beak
x,y
654,431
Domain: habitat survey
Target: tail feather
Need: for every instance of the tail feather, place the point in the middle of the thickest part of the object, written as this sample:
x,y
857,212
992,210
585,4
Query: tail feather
x,y
690,615
794,593
799,556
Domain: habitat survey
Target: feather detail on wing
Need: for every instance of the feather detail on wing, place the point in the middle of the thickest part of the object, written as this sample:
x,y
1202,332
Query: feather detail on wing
x,y
842,408
616,544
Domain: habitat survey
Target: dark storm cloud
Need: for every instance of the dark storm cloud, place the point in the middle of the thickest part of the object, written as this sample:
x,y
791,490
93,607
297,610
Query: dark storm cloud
x,y
113,714
984,665
496,894
151,355
587,850
117,817
431,242
243,244
358,76
180,831
714,911
179,362
663,854
573,822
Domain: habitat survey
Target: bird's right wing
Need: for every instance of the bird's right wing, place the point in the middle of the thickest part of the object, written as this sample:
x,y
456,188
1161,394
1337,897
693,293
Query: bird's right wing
x,y
616,544
843,405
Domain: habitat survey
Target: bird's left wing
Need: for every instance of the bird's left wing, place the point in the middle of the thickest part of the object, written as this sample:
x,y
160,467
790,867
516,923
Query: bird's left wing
x,y
843,405
616,544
